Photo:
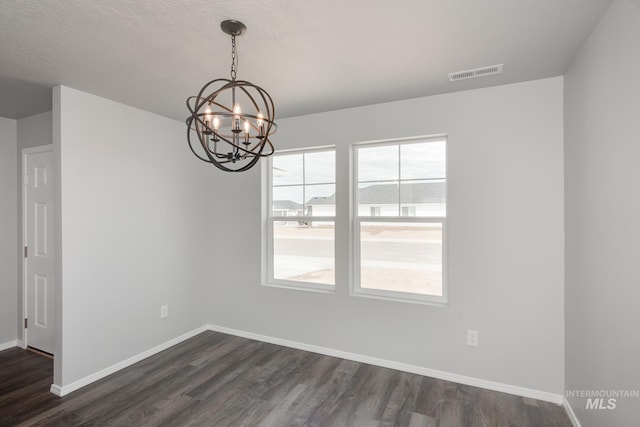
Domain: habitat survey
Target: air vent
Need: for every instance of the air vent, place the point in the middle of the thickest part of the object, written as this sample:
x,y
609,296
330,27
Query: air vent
x,y
476,72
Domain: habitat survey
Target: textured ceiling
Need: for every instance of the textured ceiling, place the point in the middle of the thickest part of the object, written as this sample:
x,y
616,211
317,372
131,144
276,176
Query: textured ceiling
x,y
310,56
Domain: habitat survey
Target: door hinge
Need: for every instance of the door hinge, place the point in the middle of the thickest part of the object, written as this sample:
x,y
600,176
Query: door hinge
x,y
25,323
25,251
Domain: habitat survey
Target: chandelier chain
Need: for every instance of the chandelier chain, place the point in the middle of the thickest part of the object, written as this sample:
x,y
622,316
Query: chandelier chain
x,y
234,58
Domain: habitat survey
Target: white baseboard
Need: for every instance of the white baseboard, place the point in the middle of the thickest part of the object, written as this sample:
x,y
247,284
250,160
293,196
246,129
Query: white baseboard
x,y
448,376
21,344
63,390
419,370
9,344
57,390
570,413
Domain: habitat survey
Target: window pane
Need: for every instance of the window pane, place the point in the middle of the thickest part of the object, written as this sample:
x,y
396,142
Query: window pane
x,y
287,201
425,198
382,196
321,200
303,251
378,163
423,160
401,257
320,167
287,169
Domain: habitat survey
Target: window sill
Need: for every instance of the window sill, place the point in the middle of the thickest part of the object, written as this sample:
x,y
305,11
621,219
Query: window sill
x,y
409,298
300,286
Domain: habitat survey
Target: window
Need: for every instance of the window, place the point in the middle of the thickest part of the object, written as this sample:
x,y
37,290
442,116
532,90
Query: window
x,y
301,219
397,220
399,246
408,211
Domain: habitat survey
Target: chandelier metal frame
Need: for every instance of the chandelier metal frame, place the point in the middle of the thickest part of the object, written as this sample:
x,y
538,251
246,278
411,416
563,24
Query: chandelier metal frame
x,y
231,139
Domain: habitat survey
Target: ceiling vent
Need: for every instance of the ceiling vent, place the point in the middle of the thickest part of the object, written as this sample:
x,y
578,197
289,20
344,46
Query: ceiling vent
x,y
476,72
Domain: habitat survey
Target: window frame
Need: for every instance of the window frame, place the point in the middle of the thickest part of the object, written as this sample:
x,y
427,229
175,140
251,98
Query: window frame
x,y
269,220
355,288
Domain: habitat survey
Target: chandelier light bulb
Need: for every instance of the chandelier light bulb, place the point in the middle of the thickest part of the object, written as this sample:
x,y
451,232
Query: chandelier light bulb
x,y
207,116
236,118
259,123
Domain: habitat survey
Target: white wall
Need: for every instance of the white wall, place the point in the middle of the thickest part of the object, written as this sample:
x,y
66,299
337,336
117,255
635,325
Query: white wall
x,y
602,148
8,233
135,205
33,131
506,273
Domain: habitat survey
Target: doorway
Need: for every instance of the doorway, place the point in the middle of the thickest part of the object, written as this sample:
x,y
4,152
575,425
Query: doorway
x,y
39,258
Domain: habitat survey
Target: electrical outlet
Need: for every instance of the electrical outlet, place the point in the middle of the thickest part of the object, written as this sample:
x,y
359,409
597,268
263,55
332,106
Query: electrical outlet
x,y
472,338
164,311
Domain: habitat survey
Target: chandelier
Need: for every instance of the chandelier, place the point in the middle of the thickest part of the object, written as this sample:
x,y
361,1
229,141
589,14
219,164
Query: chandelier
x,y
232,119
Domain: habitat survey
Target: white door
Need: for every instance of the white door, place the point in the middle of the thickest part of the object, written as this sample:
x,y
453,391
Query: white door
x,y
39,239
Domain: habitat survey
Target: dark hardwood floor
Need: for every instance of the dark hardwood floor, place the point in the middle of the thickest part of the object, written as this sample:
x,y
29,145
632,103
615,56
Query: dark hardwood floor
x,y
215,379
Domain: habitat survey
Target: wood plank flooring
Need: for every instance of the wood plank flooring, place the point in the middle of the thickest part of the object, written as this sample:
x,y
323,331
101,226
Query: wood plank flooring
x,y
215,379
